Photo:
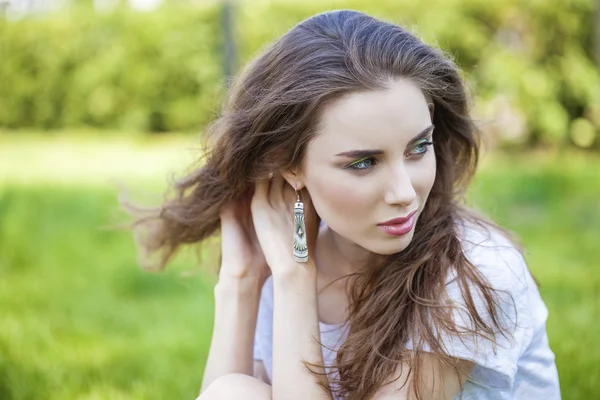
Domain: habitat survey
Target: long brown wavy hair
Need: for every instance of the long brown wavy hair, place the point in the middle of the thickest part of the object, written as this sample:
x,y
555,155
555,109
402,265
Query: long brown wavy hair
x,y
271,114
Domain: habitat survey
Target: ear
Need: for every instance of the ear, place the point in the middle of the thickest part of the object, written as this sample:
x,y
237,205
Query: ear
x,y
293,178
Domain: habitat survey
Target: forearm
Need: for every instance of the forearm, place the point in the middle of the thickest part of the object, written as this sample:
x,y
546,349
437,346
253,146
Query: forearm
x,y
295,334
232,344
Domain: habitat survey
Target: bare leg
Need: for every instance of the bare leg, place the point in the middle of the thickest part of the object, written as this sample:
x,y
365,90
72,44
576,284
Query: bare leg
x,y
236,386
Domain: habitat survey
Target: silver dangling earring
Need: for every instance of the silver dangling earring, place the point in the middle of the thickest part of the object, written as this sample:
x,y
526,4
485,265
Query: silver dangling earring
x,y
300,245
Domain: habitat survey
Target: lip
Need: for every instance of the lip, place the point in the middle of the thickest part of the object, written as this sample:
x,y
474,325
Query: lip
x,y
398,221
400,229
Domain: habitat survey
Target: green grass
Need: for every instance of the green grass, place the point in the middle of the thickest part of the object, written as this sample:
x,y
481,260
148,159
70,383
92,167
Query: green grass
x,y
80,320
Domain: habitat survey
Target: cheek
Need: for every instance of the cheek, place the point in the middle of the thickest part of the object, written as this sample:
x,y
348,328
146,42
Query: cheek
x,y
423,176
336,200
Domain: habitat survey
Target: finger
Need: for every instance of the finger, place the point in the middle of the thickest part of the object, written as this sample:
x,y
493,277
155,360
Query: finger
x,y
247,213
276,191
261,192
225,211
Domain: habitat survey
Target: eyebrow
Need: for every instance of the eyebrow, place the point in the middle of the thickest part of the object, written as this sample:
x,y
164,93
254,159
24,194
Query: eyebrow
x,y
366,153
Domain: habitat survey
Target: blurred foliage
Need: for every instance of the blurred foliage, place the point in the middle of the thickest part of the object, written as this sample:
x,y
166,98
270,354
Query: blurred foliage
x,y
132,71
529,63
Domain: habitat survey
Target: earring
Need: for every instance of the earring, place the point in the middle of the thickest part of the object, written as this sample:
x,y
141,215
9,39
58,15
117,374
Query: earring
x,y
300,244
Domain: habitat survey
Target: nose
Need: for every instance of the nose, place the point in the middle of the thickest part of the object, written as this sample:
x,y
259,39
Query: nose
x,y
400,190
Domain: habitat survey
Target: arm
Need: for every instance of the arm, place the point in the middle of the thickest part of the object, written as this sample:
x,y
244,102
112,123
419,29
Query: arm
x,y
295,329
236,309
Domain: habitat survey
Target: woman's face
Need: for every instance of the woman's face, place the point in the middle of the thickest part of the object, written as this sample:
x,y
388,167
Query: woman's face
x,y
389,175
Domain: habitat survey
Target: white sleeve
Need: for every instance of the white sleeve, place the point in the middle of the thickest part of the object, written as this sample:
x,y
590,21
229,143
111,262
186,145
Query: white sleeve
x,y
257,354
263,335
505,270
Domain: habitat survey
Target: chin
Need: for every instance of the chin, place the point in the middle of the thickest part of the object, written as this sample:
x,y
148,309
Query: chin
x,y
392,246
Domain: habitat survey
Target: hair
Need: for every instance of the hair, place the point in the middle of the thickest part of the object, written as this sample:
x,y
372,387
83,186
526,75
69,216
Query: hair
x,y
272,113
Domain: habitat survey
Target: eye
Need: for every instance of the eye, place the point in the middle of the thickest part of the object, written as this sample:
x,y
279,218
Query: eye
x,y
364,164
421,148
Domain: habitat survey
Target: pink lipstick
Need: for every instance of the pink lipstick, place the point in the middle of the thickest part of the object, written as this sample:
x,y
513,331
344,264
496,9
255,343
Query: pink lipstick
x,y
399,226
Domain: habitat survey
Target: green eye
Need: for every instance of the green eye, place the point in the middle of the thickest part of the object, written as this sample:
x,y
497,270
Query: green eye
x,y
422,147
360,164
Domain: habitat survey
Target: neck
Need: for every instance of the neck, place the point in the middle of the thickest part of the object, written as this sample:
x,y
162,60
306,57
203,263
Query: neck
x,y
337,256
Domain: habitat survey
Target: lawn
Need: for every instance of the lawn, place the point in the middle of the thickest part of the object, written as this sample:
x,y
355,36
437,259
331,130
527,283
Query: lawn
x,y
80,320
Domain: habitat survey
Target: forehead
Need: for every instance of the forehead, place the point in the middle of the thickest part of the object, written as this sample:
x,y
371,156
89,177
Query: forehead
x,y
374,119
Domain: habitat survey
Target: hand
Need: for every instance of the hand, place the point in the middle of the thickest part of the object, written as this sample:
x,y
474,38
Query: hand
x,y
273,215
242,256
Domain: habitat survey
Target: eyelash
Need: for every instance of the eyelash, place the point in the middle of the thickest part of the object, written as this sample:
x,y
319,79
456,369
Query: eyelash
x,y
426,145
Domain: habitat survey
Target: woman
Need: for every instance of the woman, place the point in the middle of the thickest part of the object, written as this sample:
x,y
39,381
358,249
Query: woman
x,y
336,174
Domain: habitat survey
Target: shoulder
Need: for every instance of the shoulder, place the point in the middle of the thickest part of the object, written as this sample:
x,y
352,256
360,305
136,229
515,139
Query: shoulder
x,y
502,264
519,308
503,269
495,255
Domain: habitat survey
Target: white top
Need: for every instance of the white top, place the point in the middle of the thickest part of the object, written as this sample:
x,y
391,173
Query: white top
x,y
522,368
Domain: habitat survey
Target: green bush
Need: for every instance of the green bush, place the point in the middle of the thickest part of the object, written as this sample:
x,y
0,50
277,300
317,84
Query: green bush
x,y
133,71
162,71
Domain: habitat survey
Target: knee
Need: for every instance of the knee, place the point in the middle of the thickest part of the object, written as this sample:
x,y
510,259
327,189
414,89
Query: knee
x,y
236,386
